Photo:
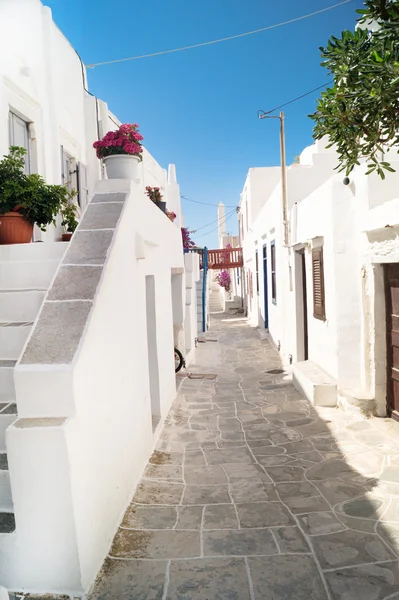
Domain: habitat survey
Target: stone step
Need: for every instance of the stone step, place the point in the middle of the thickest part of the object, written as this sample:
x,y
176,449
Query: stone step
x,y
12,339
317,385
7,387
6,503
27,275
357,402
37,251
20,305
8,414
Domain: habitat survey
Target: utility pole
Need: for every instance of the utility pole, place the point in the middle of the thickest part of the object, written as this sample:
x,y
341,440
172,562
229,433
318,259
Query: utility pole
x,y
284,208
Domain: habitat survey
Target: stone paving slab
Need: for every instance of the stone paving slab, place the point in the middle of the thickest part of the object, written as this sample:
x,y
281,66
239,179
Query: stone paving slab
x,y
253,494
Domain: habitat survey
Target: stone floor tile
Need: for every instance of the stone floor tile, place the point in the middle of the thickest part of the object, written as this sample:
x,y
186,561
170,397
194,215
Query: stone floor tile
x,y
150,517
158,492
318,523
286,578
242,542
194,457
206,494
213,474
166,458
371,582
155,544
286,473
254,489
349,548
238,455
165,472
308,505
128,580
330,469
241,471
208,579
263,514
220,516
290,540
189,517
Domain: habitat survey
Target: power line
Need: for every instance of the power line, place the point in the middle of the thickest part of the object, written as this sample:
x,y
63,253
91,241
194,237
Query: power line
x,y
206,203
228,216
211,223
225,39
262,112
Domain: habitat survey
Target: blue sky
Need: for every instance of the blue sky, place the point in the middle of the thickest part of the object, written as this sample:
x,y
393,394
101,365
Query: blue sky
x,y
198,108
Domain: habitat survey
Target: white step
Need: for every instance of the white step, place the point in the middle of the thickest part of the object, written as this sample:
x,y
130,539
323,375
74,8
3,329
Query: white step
x,y
39,251
8,414
28,275
6,504
20,305
356,402
12,339
317,385
7,388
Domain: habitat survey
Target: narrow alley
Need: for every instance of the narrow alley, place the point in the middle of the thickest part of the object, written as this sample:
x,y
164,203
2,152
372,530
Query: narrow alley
x,y
252,494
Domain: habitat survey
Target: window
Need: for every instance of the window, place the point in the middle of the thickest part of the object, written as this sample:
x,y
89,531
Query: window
x,y
19,136
273,271
74,177
257,271
319,309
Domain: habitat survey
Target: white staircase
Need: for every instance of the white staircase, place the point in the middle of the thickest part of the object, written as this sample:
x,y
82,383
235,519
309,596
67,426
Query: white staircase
x,y
216,304
26,271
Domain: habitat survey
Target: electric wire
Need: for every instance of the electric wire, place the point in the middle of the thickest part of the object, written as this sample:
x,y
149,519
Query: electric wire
x,y
211,223
263,112
228,216
225,39
207,203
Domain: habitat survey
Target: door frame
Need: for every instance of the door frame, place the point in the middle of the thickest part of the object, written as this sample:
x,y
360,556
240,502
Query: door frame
x,y
265,285
301,304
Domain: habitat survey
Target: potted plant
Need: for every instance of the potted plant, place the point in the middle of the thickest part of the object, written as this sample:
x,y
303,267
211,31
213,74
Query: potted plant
x,y
154,194
69,213
121,151
224,280
26,200
171,215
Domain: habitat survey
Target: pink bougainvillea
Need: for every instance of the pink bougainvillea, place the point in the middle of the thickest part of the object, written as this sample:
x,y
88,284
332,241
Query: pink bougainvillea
x,y
224,280
187,241
125,140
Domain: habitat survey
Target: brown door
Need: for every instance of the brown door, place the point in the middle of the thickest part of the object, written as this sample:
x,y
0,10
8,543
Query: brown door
x,y
392,312
305,308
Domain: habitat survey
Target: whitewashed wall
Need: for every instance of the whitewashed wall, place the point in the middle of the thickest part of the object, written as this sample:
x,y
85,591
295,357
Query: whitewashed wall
x,y
42,80
358,226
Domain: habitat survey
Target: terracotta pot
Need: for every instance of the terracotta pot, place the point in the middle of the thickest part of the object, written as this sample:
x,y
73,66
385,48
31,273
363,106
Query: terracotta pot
x,y
66,236
171,218
15,229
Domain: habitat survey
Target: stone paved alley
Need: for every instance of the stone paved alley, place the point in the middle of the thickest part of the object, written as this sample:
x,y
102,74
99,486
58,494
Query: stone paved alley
x,y
253,494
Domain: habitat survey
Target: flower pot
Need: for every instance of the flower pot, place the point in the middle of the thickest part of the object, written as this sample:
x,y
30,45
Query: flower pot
x,y
66,237
171,218
15,229
162,206
122,166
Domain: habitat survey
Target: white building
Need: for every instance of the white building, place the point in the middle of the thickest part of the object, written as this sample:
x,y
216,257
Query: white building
x,y
322,296
87,329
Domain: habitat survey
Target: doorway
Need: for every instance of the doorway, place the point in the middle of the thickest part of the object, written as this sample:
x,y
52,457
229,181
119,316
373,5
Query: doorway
x,y
391,276
265,292
152,348
301,308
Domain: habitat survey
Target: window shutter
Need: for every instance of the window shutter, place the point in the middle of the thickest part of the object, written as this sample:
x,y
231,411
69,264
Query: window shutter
x,y
319,310
64,167
83,190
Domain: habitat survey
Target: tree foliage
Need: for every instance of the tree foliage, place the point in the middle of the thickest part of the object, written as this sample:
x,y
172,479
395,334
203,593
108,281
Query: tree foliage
x,y
360,112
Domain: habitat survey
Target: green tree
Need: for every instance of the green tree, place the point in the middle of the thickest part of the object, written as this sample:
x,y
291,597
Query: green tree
x,y
360,112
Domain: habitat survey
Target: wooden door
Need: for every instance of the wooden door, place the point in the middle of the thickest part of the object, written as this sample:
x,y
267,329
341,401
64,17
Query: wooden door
x,y
392,317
